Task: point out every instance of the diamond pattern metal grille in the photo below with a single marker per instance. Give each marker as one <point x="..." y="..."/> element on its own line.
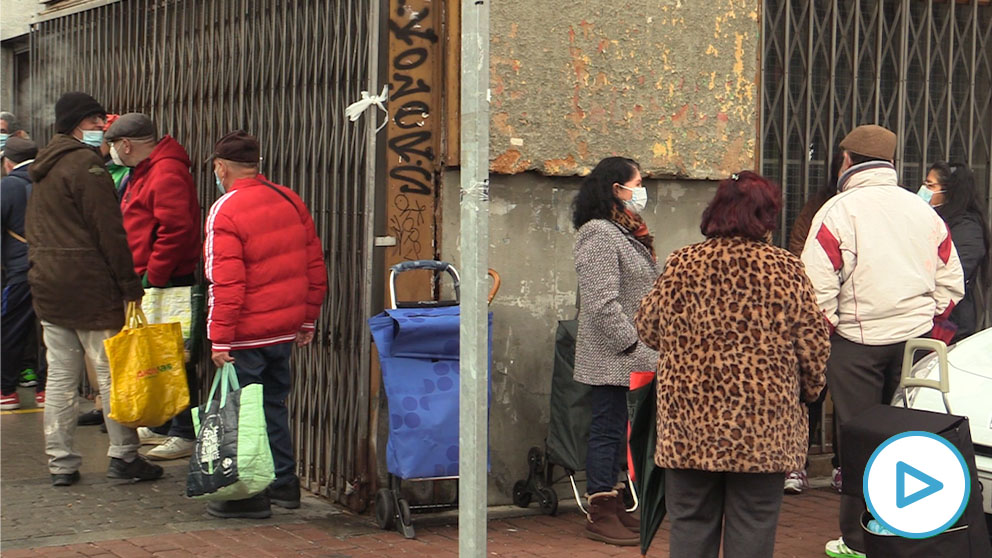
<point x="921" y="68"/>
<point x="283" y="70"/>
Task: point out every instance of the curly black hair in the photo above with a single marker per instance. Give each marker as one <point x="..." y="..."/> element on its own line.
<point x="596" y="199"/>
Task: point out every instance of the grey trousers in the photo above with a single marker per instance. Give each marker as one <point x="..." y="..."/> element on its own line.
<point x="739" y="508"/>
<point x="66" y="350"/>
<point x="858" y="377"/>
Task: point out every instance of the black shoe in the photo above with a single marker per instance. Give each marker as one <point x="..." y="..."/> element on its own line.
<point x="285" y="496"/>
<point x="103" y="428"/>
<point x="91" y="418"/>
<point x="256" y="507"/>
<point x="68" y="479"/>
<point x="137" y="470"/>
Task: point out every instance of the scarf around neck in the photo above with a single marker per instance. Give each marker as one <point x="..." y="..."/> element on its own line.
<point x="635" y="225"/>
<point x="872" y="173"/>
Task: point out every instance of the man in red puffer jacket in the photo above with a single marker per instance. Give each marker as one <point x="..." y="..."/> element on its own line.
<point x="267" y="279"/>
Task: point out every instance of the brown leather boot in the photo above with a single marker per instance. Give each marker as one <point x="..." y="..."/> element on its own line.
<point x="603" y="523"/>
<point x="632" y="521"/>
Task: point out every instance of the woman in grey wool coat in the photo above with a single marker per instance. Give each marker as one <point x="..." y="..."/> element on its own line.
<point x="616" y="266"/>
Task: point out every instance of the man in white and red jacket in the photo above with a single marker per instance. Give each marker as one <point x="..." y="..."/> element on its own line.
<point x="885" y="271"/>
<point x="267" y="280"/>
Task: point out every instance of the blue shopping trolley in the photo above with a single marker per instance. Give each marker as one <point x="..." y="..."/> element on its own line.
<point x="418" y="344"/>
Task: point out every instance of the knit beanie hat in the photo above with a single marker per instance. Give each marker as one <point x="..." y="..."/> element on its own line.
<point x="72" y="108"/>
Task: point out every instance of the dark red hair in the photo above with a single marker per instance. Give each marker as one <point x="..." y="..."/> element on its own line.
<point x="747" y="204"/>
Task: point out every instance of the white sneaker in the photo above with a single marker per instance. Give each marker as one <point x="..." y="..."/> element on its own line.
<point x="173" y="448"/>
<point x="150" y="438"/>
<point x="837" y="549"/>
<point x="795" y="482"/>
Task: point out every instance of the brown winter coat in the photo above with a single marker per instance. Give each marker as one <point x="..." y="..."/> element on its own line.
<point x="81" y="271"/>
<point x="742" y="344"/>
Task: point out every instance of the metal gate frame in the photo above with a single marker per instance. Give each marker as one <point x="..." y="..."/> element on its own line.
<point x="284" y="71"/>
<point x="922" y="68"/>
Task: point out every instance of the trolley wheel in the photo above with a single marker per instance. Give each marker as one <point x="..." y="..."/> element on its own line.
<point x="549" y="501"/>
<point x="521" y="496"/>
<point x="535" y="458"/>
<point x="405" y="517"/>
<point x="385" y="510"/>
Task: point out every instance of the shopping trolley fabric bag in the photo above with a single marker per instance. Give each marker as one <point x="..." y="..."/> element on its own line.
<point x="147" y="371"/>
<point x="418" y="351"/>
<point x="232" y="459"/>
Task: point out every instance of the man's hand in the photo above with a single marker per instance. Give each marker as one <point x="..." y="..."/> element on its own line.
<point x="304" y="338"/>
<point x="221" y="357"/>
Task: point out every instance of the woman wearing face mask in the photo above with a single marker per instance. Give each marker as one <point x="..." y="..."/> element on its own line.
<point x="950" y="188"/>
<point x="616" y="266"/>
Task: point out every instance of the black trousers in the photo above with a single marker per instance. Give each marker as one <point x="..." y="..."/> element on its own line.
<point x="859" y="376"/>
<point x="704" y="507"/>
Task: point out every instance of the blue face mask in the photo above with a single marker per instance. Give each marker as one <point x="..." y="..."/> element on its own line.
<point x="93" y="138"/>
<point x="927" y="193"/>
<point x="220" y="187"/>
<point x="3" y="141"/>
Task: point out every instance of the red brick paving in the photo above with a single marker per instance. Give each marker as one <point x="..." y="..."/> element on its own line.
<point x="806" y="522"/>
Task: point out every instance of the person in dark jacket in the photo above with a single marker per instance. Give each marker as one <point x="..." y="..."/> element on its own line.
<point x="798" y="480"/>
<point x="18" y="314"/>
<point x="81" y="276"/>
<point x="162" y="219"/>
<point x="950" y="188"/>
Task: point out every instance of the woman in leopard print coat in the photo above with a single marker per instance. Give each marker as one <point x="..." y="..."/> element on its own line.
<point x="742" y="345"/>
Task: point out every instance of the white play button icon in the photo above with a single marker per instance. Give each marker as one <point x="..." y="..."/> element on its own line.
<point x="916" y="484"/>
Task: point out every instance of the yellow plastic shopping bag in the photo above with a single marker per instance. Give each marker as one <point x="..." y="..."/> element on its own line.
<point x="147" y="374"/>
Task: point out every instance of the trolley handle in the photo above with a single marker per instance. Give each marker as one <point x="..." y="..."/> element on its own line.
<point x="941" y="384"/>
<point x="432" y="265"/>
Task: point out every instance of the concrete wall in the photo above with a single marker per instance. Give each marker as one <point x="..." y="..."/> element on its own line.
<point x="531" y="242"/>
<point x="671" y="83"/>
<point x="17" y="17"/>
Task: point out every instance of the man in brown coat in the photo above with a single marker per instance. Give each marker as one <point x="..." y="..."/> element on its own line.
<point x="81" y="276"/>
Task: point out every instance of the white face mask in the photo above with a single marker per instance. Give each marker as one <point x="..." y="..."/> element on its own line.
<point x="638" y="201"/>
<point x="116" y="157"/>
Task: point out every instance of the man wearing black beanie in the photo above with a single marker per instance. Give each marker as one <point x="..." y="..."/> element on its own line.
<point x="81" y="275"/>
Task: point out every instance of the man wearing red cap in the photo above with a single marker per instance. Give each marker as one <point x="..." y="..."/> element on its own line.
<point x="267" y="280"/>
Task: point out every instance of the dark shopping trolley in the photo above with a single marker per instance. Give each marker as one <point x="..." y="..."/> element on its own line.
<point x="418" y="344"/>
<point x="568" y="434"/>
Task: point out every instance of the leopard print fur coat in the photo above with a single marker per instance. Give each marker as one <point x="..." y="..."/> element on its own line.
<point x="742" y="344"/>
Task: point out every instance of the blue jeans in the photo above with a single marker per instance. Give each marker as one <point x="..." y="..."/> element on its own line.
<point x="18" y="329"/>
<point x="607" y="438"/>
<point x="269" y="366"/>
<point x="181" y="425"/>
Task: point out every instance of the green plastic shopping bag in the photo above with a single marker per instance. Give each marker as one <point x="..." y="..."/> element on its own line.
<point x="231" y="459"/>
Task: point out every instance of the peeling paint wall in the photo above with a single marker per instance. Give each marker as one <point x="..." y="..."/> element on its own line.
<point x="531" y="240"/>
<point x="671" y="83"/>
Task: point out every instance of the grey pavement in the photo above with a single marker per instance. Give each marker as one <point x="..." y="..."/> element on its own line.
<point x="34" y="513"/>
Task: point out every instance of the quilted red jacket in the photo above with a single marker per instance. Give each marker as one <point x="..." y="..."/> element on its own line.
<point x="265" y="266"/>
<point x="162" y="215"/>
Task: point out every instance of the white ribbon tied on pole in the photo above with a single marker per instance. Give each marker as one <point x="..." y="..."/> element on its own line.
<point x="354" y="110"/>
